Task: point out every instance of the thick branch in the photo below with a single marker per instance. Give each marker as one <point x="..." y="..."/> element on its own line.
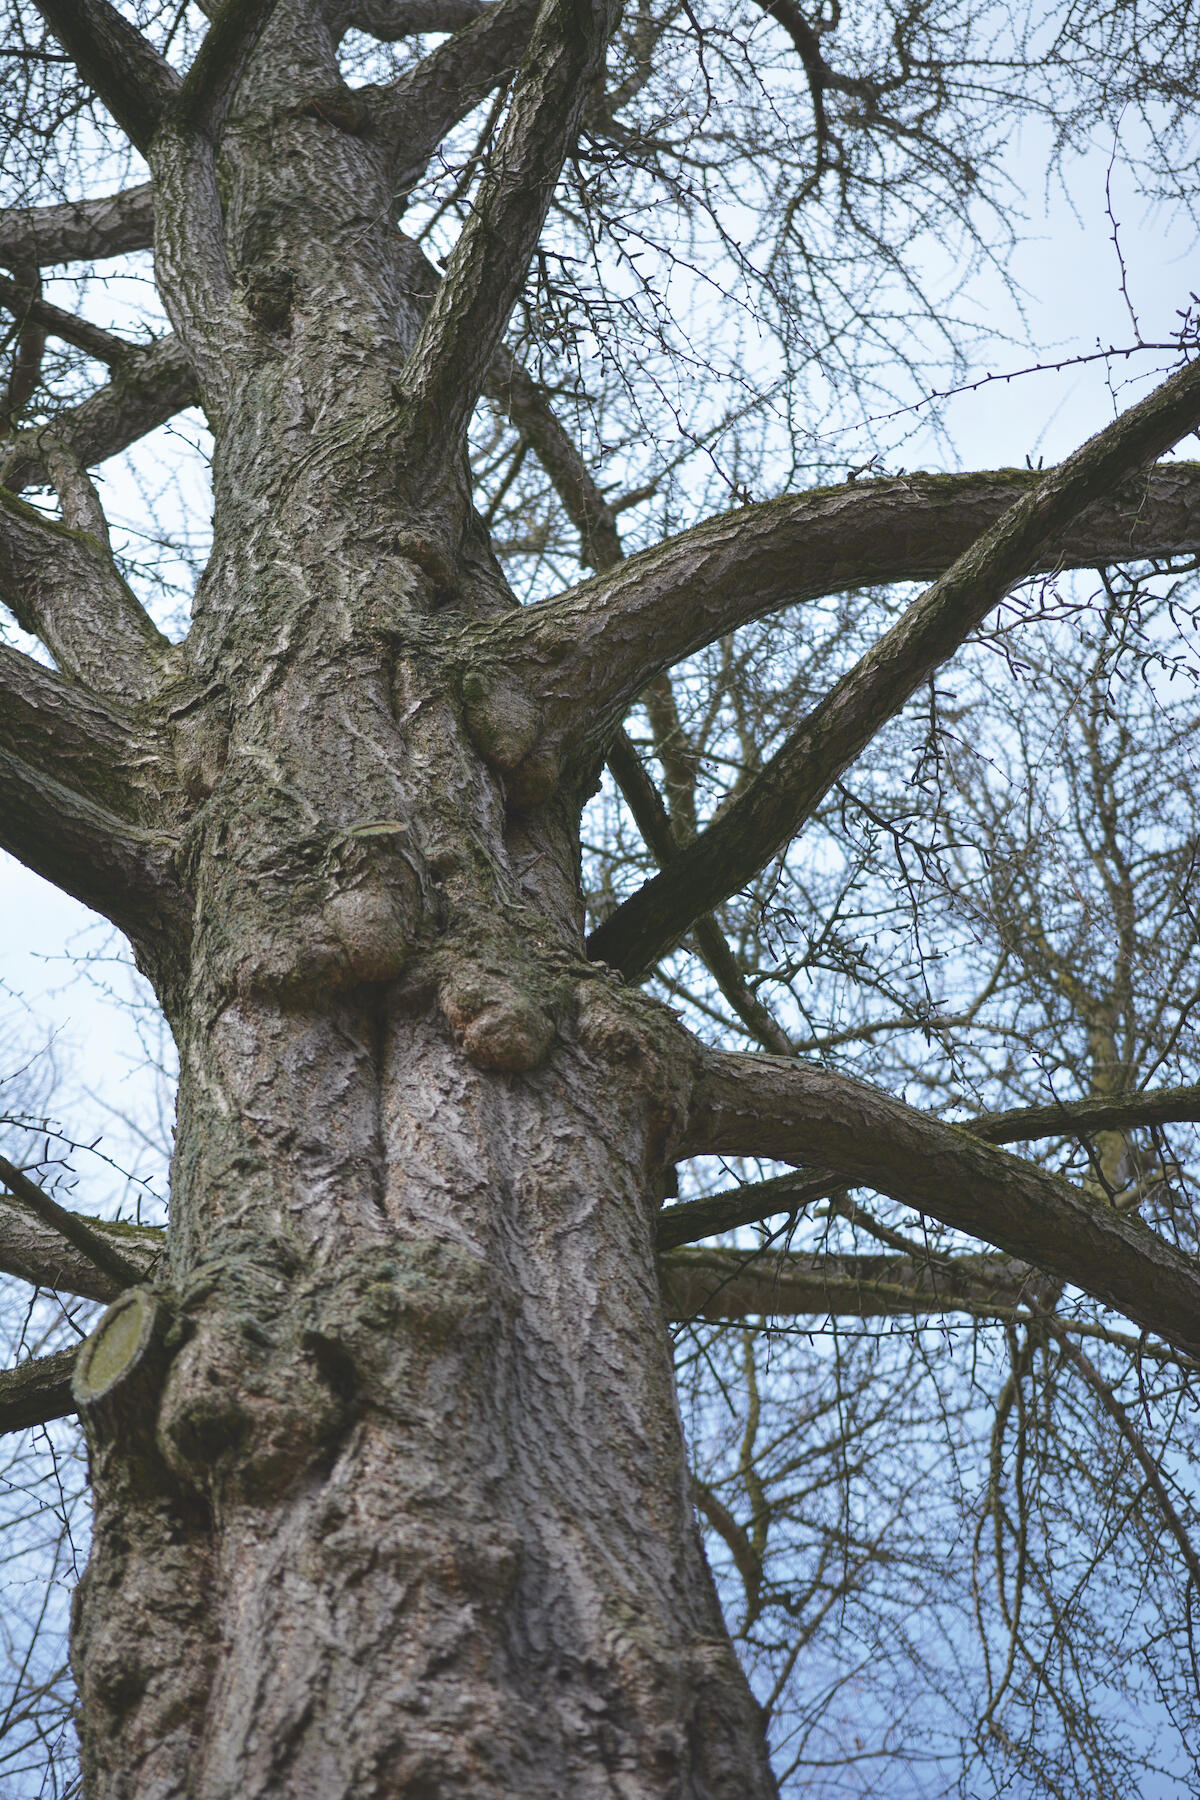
<point x="127" y="73"/>
<point x="486" y="270"/>
<point x="63" y="586"/>
<point x="79" y="230"/>
<point x="416" y="112"/>
<point x="98" y="343"/>
<point x="209" y="85"/>
<point x="391" y="20"/>
<point x="67" y="732"/>
<point x="731" y="1284"/>
<point x="782" y="796"/>
<point x="80" y="1234"/>
<point x="37" y="1252"/>
<point x="149" y="388"/>
<point x="692" y="1220"/>
<point x="763" y="1106"/>
<point x="35" y="1392"/>
<point x="590" y="652"/>
<point x="106" y="863"/>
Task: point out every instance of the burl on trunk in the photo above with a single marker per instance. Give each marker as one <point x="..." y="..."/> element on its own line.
<point x="390" y="1490"/>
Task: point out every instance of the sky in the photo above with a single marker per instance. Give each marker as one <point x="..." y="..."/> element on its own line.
<point x="1069" y="277"/>
<point x="57" y="970"/>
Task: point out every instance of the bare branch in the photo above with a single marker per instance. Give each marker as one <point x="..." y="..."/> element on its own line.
<point x="446" y="371"/>
<point x="23" y="301"/>
<point x="746" y="1559"/>
<point x="119" y="870"/>
<point x="782" y="796"/>
<point x="62" y="585"/>
<point x="748" y="1205"/>
<point x="763" y="1106"/>
<point x="148" y="388"/>
<point x="692" y="1220"/>
<point x="36" y="1252"/>
<point x="521" y="399"/>
<point x="730" y="1284"/>
<point x="35" y="1392"/>
<point x="209" y="85"/>
<point x="417" y="111"/>
<point x="130" y="77"/>
<point x="78" y="1233"/>
<point x="92" y="338"/>
<point x="653" y="821"/>
<point x="71" y="734"/>
<point x="1080" y="1118"/>
<point x="608" y="637"/>
<point x="79" y="230"/>
<point x="391" y="20"/>
<point x="191" y="265"/>
<point x="1149" y="1464"/>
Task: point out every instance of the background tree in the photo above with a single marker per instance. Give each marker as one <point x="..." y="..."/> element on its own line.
<point x="388" y="1478"/>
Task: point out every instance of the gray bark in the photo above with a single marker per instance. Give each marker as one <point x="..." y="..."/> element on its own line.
<point x="390" y="1490"/>
<point x="393" y="1499"/>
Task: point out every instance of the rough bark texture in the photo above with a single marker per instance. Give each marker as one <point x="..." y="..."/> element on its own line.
<point x="390" y="1490"/>
<point x="395" y="1501"/>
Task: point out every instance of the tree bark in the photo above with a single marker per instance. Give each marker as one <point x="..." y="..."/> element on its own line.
<point x="419" y="1448"/>
<point x="389" y="1478"/>
<point x="392" y="1501"/>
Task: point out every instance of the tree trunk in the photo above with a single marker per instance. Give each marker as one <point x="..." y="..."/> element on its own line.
<point x="415" y="1518"/>
<point x="396" y="1502"/>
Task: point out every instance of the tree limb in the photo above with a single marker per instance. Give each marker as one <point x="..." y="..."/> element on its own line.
<point x="115" y="60"/>
<point x="209" y="85"/>
<point x="62" y="586"/>
<point x="148" y="388"/>
<point x="763" y="1106"/>
<point x="522" y="401"/>
<point x="79" y="1233"/>
<point x="415" y="113"/>
<point x="37" y="1252"/>
<point x="79" y="230"/>
<point x="391" y="20"/>
<point x="35" y="1392"/>
<point x="783" y="795"/>
<point x="69" y="733"/>
<point x="1126" y="1111"/>
<point x="115" y="868"/>
<point x="446" y="371"/>
<point x="691" y="1220"/>
<point x="717" y="1283"/>
<point x="730" y="1286"/>
<point x="654" y="822"/>
<point x="177" y="131"/>
<point x="605" y="639"/>
<point x="98" y="343"/>
<point x="24" y="298"/>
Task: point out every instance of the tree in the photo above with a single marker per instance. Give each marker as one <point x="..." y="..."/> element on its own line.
<point x="388" y="1476"/>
